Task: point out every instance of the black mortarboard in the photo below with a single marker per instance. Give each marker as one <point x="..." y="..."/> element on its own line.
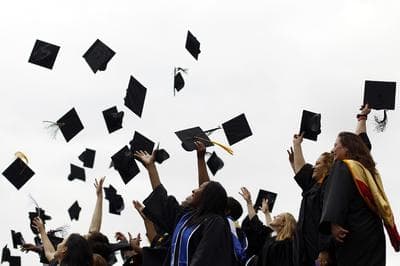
<point x="380" y="95"/>
<point x="113" y="119"/>
<point x="237" y="129"/>
<point x="44" y="54"/>
<point x="74" y="211"/>
<point x="161" y="155"/>
<point x="70" y="124"/>
<point x="179" y="82"/>
<point x="310" y="125"/>
<point x="98" y="56"/>
<point x="77" y="173"/>
<point x="87" y="157"/>
<point x="125" y="164"/>
<point x="192" y="45"/>
<point x="141" y="143"/>
<point x="39" y="212"/>
<point x="214" y="163"/>
<point x="116" y="203"/>
<point x="18" y="173"/>
<point x="190" y="135"/>
<point x="264" y="194"/>
<point x="17" y="239"/>
<point x="135" y="96"/>
<point x="110" y="191"/>
<point x="15" y="261"/>
<point x="5" y="254"/>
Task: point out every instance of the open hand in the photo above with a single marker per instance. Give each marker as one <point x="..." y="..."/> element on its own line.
<point x="246" y="195"/>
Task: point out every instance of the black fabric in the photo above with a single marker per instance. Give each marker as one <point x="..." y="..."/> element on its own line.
<point x="270" y="252"/>
<point x="365" y="139"/>
<point x="210" y="244"/>
<point x="308" y="241"/>
<point x="343" y="205"/>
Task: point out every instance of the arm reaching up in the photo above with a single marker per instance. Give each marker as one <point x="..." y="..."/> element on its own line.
<point x="247" y="197"/>
<point x="201" y="162"/>
<point x="95" y="224"/>
<point x="298" y="157"/>
<point x="148" y="162"/>
<point x="151" y="232"/>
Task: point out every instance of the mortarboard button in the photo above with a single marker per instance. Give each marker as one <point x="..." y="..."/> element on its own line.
<point x="264" y="194"/>
<point x="87" y="157"/>
<point x="18" y="173"/>
<point x="98" y="56"/>
<point x="17" y="239"/>
<point x="190" y="135"/>
<point x="74" y="211"/>
<point x="77" y="173"/>
<point x="310" y="125"/>
<point x="380" y="95"/>
<point x="237" y="129"/>
<point x="141" y="143"/>
<point x="125" y="164"/>
<point x="192" y="45"/>
<point x="135" y="96"/>
<point x="113" y="119"/>
<point x="44" y="54"/>
<point x="70" y="124"/>
<point x="214" y="163"/>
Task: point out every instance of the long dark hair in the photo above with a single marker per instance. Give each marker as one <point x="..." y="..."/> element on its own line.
<point x="78" y="252"/>
<point x="357" y="150"/>
<point x="100" y="244"/>
<point x="212" y="202"/>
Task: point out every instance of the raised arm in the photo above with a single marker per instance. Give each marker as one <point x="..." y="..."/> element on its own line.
<point x="247" y="197"/>
<point x="362" y="120"/>
<point x="149" y="162"/>
<point x="49" y="250"/>
<point x="151" y="232"/>
<point x="298" y="157"/>
<point x="265" y="210"/>
<point x="291" y="158"/>
<point x="95" y="224"/>
<point x="201" y="163"/>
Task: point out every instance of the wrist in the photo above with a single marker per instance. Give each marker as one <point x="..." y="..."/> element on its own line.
<point x="361" y="117"/>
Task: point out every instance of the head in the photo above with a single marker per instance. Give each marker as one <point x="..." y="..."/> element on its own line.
<point x="284" y="225"/>
<point x="74" y="251"/>
<point x="99" y="244"/>
<point x="233" y="208"/>
<point x="323" y="165"/>
<point x="350" y="146"/>
<point x="99" y="260"/>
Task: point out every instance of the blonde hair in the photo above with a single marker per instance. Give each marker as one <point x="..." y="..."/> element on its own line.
<point x="288" y="228"/>
<point x="327" y="163"/>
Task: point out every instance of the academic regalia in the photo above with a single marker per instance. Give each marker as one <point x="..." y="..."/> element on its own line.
<point x="270" y="252"/>
<point x="308" y="241"/>
<point x="343" y="205"/>
<point x="209" y="243"/>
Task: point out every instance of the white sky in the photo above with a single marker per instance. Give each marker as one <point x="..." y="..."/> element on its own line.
<point x="267" y="59"/>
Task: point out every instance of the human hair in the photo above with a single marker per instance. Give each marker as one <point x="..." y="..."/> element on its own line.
<point x="78" y="252"/>
<point x="357" y="150"/>
<point x="288" y="228"/>
<point x="233" y="208"/>
<point x="212" y="202"/>
<point x="100" y="244"/>
<point x="98" y="260"/>
<point x="326" y="165"/>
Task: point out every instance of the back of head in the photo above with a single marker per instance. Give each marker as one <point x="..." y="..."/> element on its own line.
<point x="357" y="150"/>
<point x="289" y="227"/>
<point x="233" y="208"/>
<point x="78" y="252"/>
<point x="100" y="244"/>
<point x="98" y="260"/>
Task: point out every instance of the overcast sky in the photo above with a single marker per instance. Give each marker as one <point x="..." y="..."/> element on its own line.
<point x="268" y="59"/>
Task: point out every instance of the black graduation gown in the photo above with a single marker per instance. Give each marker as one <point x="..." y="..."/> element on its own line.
<point x="210" y="244"/>
<point x="308" y="241"/>
<point x="343" y="205"/>
<point x="270" y="252"/>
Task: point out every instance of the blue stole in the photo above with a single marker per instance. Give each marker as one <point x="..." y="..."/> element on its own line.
<point x="239" y="248"/>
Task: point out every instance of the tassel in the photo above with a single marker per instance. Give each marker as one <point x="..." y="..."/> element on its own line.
<point x="226" y="148"/>
<point x="380" y="125"/>
<point x="53" y="127"/>
<point x="22" y="157"/>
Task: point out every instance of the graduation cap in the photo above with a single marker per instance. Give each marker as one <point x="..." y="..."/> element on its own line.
<point x="124" y="162"/>
<point x="15" y="261"/>
<point x="141" y="143"/>
<point x="237" y="129"/>
<point x="190" y="135"/>
<point x="69" y="124"/>
<point x="77" y="173"/>
<point x="380" y="95"/>
<point x="192" y="45"/>
<point x="109" y="191"/>
<point x="44" y="54"/>
<point x="5" y="254"/>
<point x="98" y="56"/>
<point x="214" y="163"/>
<point x="179" y="82"/>
<point x="116" y="202"/>
<point x="39" y="212"/>
<point x="113" y="119"/>
<point x="87" y="157"/>
<point x="17" y="239"/>
<point x="135" y="96"/>
<point x="310" y="125"/>
<point x="161" y="154"/>
<point x="264" y="194"/>
<point x="74" y="211"/>
<point x="18" y="173"/>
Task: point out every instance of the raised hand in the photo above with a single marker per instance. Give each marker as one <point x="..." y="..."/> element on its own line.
<point x="135" y="242"/>
<point x="99" y="186"/>
<point x="30" y="247"/>
<point x="365" y="110"/>
<point x="139" y="207"/>
<point x="298" y="138"/>
<point x="291" y="155"/>
<point x="38" y="224"/>
<point x="145" y="158"/>
<point x="246" y="195"/>
<point x="200" y="148"/>
<point x="264" y="206"/>
<point x="120" y="236"/>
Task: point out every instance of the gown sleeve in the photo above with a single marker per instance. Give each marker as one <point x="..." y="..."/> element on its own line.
<point x="304" y="177"/>
<point x="256" y="234"/>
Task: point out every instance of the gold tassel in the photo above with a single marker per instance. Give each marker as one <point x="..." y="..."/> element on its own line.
<point x="22" y="156"/>
<point x="226" y="148"/>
